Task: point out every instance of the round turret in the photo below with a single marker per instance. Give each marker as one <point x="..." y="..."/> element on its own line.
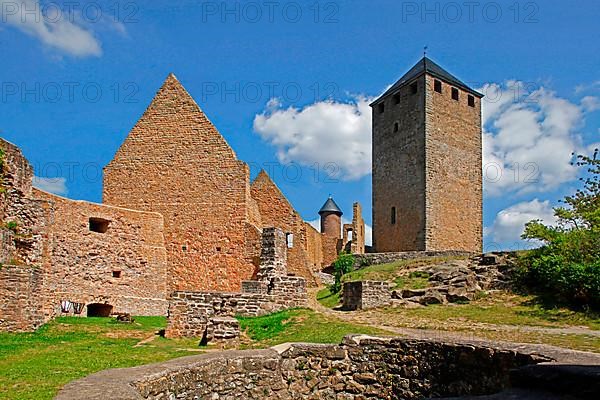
<point x="331" y="219"/>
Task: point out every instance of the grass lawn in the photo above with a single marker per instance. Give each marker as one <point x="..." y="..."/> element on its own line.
<point x="299" y="325"/>
<point x="328" y="299"/>
<point x="36" y="365"/>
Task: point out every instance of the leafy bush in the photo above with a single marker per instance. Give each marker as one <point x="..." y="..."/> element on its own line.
<point x="567" y="267"/>
<point x="341" y="266"/>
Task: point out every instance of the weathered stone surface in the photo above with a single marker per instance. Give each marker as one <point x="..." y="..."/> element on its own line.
<point x="363" y="295"/>
<point x="361" y="367"/>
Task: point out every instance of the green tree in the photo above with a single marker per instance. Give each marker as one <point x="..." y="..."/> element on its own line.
<point x="568" y="265"/>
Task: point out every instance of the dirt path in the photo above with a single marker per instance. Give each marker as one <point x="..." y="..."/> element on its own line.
<point x="378" y="320"/>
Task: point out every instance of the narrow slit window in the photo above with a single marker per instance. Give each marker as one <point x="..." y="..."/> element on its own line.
<point x="99" y="225"/>
<point x="471" y="100"/>
<point x="396" y="128"/>
<point x="455" y="94"/>
<point x="393" y="220"/>
<point x="290" y="240"/>
<point x="437" y="86"/>
<point x="381" y="108"/>
<point x="414" y="88"/>
<point x="397" y="98"/>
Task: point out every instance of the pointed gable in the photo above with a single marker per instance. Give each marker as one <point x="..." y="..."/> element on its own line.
<point x="173" y="126"/>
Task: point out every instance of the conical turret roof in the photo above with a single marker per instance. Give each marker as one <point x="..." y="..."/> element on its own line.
<point x="330" y="207"/>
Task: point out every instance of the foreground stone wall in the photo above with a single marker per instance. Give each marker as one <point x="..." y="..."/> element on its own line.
<point x="361" y="367"/>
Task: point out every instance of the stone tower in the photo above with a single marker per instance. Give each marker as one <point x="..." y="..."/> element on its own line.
<point x="331" y="219"/>
<point x="427" y="179"/>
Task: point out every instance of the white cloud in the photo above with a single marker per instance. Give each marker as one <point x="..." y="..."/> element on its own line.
<point x="590" y="103"/>
<point x="58" y="30"/>
<point x="316" y="223"/>
<point x="52" y="185"/>
<point x="509" y="223"/>
<point x="529" y="138"/>
<point x="324" y="132"/>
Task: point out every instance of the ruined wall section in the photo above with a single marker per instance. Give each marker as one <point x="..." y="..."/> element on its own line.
<point x="125" y="266"/>
<point x="23" y="219"/>
<point x="21" y="305"/>
<point x="453" y="170"/>
<point x="276" y="211"/>
<point x="176" y="163"/>
<point x="399" y="170"/>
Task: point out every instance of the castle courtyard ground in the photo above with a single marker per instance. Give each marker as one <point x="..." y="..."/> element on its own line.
<point x="36" y="365"/>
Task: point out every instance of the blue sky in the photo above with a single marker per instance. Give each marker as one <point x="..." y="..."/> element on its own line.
<point x="287" y="83"/>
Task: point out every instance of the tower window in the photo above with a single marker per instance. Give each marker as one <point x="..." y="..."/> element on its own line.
<point x="396" y="127"/>
<point x="381" y="107"/>
<point x="393" y="216"/>
<point x="471" y="101"/>
<point x="397" y="98"/>
<point x="437" y="86"/>
<point x="116" y="274"/>
<point x="455" y="94"/>
<point x="99" y="225"/>
<point x="289" y="238"/>
<point x="414" y="88"/>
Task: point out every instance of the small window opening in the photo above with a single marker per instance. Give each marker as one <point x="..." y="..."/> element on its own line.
<point x="437" y="86"/>
<point x="99" y="225"/>
<point x="381" y="107"/>
<point x="414" y="88"/>
<point x="184" y="247"/>
<point x="455" y="94"/>
<point x="397" y="98"/>
<point x="116" y="274"/>
<point x="350" y="234"/>
<point x="218" y="249"/>
<point x="289" y="238"/>
<point x="471" y="101"/>
<point x="396" y="128"/>
<point x="393" y="215"/>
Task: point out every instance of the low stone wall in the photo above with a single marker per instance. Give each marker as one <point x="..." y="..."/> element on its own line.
<point x="190" y="312"/>
<point x="363" y="260"/>
<point x="20" y="291"/>
<point x="361" y="367"/>
<point x="365" y="294"/>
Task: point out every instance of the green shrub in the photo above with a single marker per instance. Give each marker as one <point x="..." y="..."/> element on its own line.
<point x="12" y="226"/>
<point x="341" y="266"/>
<point x="567" y="267"/>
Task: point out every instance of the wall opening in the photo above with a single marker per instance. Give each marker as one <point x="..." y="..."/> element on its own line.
<point x="471" y="101"/>
<point x="381" y="107"/>
<point x="99" y="225"/>
<point x="99" y="310"/>
<point x="116" y="274"/>
<point x="437" y="86"/>
<point x="289" y="238"/>
<point x="396" y="128"/>
<point x="455" y="94"/>
<point x="393" y="216"/>
<point x="397" y="98"/>
<point x="414" y="88"/>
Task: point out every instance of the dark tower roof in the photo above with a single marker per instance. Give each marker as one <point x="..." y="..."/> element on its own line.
<point x="330" y="207"/>
<point x="426" y="66"/>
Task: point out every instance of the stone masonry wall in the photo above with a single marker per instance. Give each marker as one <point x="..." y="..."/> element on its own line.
<point x="453" y="143"/>
<point x="276" y="210"/>
<point x="399" y="171"/>
<point x="124" y="267"/>
<point x="366" y="294"/>
<point x="176" y="163"/>
<point x="361" y="367"/>
<point x="22" y="298"/>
